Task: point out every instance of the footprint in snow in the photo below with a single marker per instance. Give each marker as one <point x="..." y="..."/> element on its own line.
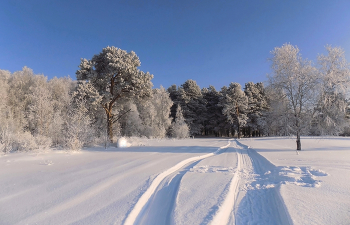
<point x="301" y="176"/>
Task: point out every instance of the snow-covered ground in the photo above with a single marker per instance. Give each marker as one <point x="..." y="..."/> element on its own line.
<point x="192" y="181"/>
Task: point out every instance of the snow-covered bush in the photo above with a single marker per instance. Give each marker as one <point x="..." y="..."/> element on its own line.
<point x="43" y="142"/>
<point x="74" y="144"/>
<point x="24" y="142"/>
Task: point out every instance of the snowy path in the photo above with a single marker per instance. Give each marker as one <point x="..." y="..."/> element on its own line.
<point x="258" y="195"/>
<point x="242" y="191"/>
<point x="139" y="210"/>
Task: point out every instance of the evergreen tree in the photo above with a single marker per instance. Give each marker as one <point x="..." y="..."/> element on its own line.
<point x="214" y="116"/>
<point x="114" y="74"/>
<point x="193" y="106"/>
<point x="235" y="104"/>
<point x="257" y="107"/>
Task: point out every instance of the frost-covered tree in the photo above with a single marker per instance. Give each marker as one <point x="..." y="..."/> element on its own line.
<point x="330" y="113"/>
<point x="257" y="107"/>
<point x="40" y="111"/>
<point x="19" y="93"/>
<point x="114" y="74"/>
<point x="78" y="126"/>
<point x="193" y="106"/>
<point x="235" y="103"/>
<point x="132" y="125"/>
<point x="278" y="117"/>
<point x="296" y="79"/>
<point x="6" y="124"/>
<point x="61" y="90"/>
<point x="179" y="128"/>
<point x="161" y="105"/>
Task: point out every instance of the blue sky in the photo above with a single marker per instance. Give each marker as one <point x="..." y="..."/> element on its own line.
<point x="212" y="42"/>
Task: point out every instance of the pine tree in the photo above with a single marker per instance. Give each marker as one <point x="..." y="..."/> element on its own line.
<point x="193" y="106"/>
<point x="114" y="74"/>
<point x="214" y="116"/>
<point x="235" y="104"/>
<point x="257" y="107"/>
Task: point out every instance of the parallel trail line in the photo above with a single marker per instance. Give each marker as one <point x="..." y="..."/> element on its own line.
<point x="140" y="205"/>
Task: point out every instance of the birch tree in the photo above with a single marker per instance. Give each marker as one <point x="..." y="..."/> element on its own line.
<point x="334" y="72"/>
<point x="296" y="79"/>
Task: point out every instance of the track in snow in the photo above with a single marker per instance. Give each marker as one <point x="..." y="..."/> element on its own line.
<point x="139" y="214"/>
<point x="259" y="196"/>
<point x="252" y="196"/>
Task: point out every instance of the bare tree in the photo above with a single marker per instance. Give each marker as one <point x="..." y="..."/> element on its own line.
<point x="297" y="79"/>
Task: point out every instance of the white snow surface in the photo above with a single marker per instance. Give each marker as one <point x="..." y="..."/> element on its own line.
<point x="189" y="181"/>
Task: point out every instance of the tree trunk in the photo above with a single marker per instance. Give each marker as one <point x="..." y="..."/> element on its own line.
<point x="110" y="127"/>
<point x="238" y="131"/>
<point x="298" y="142"/>
<point x="298" y="132"/>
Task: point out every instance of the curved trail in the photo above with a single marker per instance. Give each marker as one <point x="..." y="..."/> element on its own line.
<point x="138" y="210"/>
<point x="250" y="197"/>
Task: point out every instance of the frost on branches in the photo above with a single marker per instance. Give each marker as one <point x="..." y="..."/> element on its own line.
<point x="330" y="114"/>
<point x="179" y="128"/>
<point x="296" y="79"/>
<point x="114" y="74"/>
<point x="235" y="103"/>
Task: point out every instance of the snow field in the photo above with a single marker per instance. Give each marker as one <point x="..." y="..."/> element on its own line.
<point x="314" y="185"/>
<point x="95" y="186"/>
<point x="190" y="181"/>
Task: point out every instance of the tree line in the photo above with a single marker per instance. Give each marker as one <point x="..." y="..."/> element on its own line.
<point x="112" y="97"/>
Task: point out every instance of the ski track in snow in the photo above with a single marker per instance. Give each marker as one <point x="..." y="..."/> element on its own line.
<point x="251" y="196"/>
<point x="135" y="216"/>
<point x="249" y="199"/>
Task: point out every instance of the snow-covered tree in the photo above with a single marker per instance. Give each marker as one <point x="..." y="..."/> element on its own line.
<point x="235" y="103"/>
<point x="193" y="106"/>
<point x="6" y="124"/>
<point x="296" y="79"/>
<point x="179" y="128"/>
<point x="78" y="126"/>
<point x="61" y="93"/>
<point x="40" y="111"/>
<point x="19" y="93"/>
<point x="257" y="106"/>
<point x="114" y="74"/>
<point x="132" y="125"/>
<point x="330" y="113"/>
<point x="278" y="117"/>
<point x="161" y="105"/>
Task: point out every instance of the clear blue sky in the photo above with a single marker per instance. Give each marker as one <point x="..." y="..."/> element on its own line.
<point x="212" y="42"/>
